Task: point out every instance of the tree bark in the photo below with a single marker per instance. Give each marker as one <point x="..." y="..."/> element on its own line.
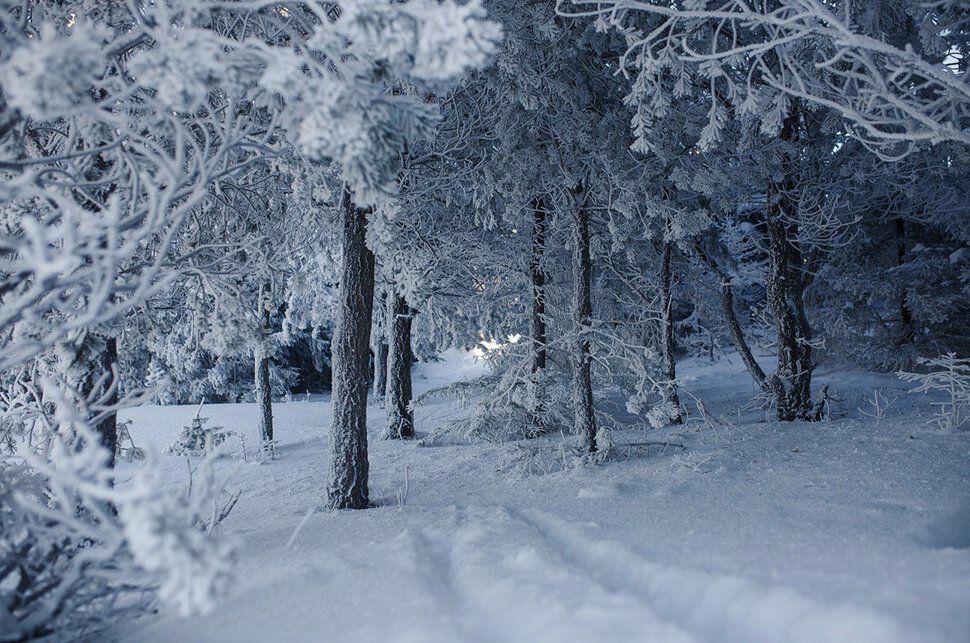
<point x="585" y="421"/>
<point x="667" y="321"/>
<point x="381" y="349"/>
<point x="785" y="285"/>
<point x="537" y="320"/>
<point x="381" y="355"/>
<point x="400" y="419"/>
<point x="907" y="331"/>
<point x="731" y="319"/>
<point x="348" y="433"/>
<point x="99" y="385"/>
<point x="264" y="390"/>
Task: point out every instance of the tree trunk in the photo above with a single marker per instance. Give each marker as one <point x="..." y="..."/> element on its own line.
<point x="381" y="348"/>
<point x="585" y="421"/>
<point x="537" y="321"/>
<point x="264" y="390"/>
<point x="348" y="432"/>
<point x="381" y="355"/>
<point x="400" y="419"/>
<point x="667" y="321"/>
<point x="907" y="331"/>
<point x="99" y="385"/>
<point x="731" y="319"/>
<point x="785" y="285"/>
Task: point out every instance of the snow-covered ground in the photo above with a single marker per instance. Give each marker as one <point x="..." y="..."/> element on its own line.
<point x="849" y="530"/>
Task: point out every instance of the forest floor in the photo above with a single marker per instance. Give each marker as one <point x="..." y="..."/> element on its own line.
<point x="854" y="529"/>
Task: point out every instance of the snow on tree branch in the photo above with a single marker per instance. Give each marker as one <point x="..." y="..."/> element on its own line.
<point x="895" y="72"/>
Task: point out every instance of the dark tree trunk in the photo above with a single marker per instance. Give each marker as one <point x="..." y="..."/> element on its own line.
<point x="537" y="321"/>
<point x="585" y="421"/>
<point x="99" y="385"/>
<point x="731" y="319"/>
<point x="907" y="331"/>
<point x="381" y="353"/>
<point x="400" y="419"/>
<point x="667" y="321"/>
<point x="264" y="390"/>
<point x="785" y="285"/>
<point x="351" y="381"/>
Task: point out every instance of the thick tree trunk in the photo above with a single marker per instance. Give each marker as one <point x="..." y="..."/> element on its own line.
<point x="348" y="432"/>
<point x="400" y="419"/>
<point x="585" y="421"/>
<point x="785" y="285"/>
<point x="264" y="390"/>
<point x="667" y="321"/>
<point x="537" y="320"/>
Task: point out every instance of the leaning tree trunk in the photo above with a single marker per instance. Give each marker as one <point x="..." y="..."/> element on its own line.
<point x="735" y="330"/>
<point x="400" y="419"/>
<point x="537" y="321"/>
<point x="585" y="421"/>
<point x="667" y="323"/>
<point x="264" y="390"/>
<point x="351" y="339"/>
<point x="785" y="286"/>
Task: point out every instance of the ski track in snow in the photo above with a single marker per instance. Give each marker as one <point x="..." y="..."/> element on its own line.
<point x="513" y="577"/>
<point x="475" y="557"/>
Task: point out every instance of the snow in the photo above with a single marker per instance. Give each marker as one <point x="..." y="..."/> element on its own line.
<point x="851" y="530"/>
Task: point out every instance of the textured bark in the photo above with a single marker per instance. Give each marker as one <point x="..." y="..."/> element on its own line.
<point x="99" y="384"/>
<point x="381" y="352"/>
<point x="585" y="421"/>
<point x="785" y="285"/>
<point x="537" y="320"/>
<point x="400" y="420"/>
<point x="264" y="391"/>
<point x="351" y="381"/>
<point x="667" y="321"/>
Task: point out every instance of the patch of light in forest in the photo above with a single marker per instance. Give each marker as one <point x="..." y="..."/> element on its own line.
<point x="486" y="345"/>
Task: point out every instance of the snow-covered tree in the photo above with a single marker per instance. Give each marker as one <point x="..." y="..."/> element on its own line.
<point x="894" y="70"/>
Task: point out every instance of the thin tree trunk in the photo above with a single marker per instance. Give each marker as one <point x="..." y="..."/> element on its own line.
<point x="264" y="391"/>
<point x="99" y="385"/>
<point x="907" y="331"/>
<point x="735" y="330"/>
<point x="585" y="421"/>
<point x="667" y="321"/>
<point x="348" y="432"/>
<point x="785" y="285"/>
<point x="400" y="419"/>
<point x="381" y="353"/>
<point x="380" y="347"/>
<point x="537" y="321"/>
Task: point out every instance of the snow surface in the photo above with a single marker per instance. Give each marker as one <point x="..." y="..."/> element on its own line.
<point x="853" y="530"/>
